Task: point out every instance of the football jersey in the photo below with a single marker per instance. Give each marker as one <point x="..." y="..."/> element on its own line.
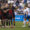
<point x="28" y="11"/>
<point x="0" y="12"/>
<point x="25" y="11"/>
<point x="10" y="11"/>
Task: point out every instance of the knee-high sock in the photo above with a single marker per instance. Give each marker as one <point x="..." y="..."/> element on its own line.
<point x="29" y="23"/>
<point x="14" y="21"/>
<point x="24" y="23"/>
<point x="11" y="21"/>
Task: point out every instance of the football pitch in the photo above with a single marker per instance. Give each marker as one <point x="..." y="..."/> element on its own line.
<point x="18" y="26"/>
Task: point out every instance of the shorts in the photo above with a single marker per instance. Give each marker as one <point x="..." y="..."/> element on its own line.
<point x="4" y="17"/>
<point x="0" y="17"/>
<point x="9" y="17"/>
<point x="13" y="15"/>
<point x="28" y="17"/>
<point x="25" y="16"/>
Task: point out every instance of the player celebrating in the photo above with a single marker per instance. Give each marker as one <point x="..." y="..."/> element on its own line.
<point x="28" y="12"/>
<point x="11" y="13"/>
<point x="4" y="17"/>
<point x="10" y="16"/>
<point x="25" y="15"/>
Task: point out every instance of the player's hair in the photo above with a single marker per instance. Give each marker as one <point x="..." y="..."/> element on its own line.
<point x="5" y="8"/>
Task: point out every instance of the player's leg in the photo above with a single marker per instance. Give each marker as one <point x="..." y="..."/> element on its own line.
<point x="3" y="22"/>
<point x="29" y="21"/>
<point x="11" y="20"/>
<point x="7" y="22"/>
<point x="14" y="19"/>
<point x="24" y="21"/>
<point x="0" y="22"/>
<point x="0" y="19"/>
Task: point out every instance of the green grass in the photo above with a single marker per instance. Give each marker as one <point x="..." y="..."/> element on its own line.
<point x="18" y="26"/>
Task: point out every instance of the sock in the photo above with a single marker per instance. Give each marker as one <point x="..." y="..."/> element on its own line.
<point x="24" y="23"/>
<point x="9" y="23"/>
<point x="0" y="21"/>
<point x="14" y="21"/>
<point x="29" y="23"/>
<point x="14" y="24"/>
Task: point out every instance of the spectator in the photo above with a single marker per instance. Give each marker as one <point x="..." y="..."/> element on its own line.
<point x="25" y="1"/>
<point x="17" y="3"/>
